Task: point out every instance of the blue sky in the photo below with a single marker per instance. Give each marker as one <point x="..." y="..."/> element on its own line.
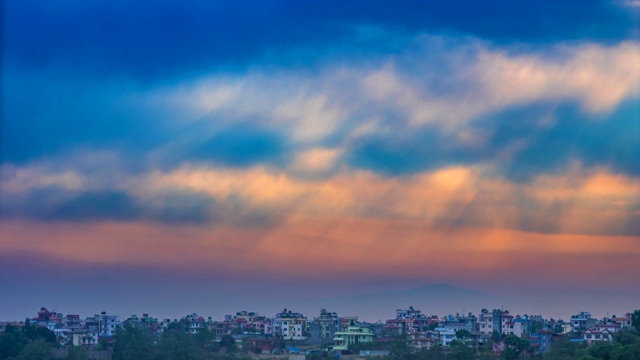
<point x="274" y="134"/>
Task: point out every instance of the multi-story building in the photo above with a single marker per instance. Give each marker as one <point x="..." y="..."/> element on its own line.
<point x="541" y="341"/>
<point x="497" y="319"/>
<point x="196" y="323"/>
<point x="323" y="328"/>
<point x="445" y="335"/>
<point x="582" y="321"/>
<point x="72" y="322"/>
<point x="352" y="335"/>
<point x="461" y="322"/>
<point x="485" y="323"/>
<point x="107" y="324"/>
<point x="624" y="321"/>
<point x="524" y="324"/>
<point x="88" y="335"/>
<point x="510" y="326"/>
<point x="248" y="321"/>
<point x="290" y="325"/>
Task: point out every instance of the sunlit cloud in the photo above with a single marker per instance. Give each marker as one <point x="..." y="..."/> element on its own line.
<point x="482" y="80"/>
<point x="401" y="142"/>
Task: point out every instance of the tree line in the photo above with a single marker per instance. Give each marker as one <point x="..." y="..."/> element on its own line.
<point x="177" y="343"/>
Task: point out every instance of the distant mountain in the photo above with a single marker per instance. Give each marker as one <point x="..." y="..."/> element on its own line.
<point x="435" y="299"/>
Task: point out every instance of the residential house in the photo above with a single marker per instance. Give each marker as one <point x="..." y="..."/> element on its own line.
<point x="290" y="325"/>
<point x="593" y="335"/>
<point x="352" y="335"/>
<point x="323" y="328"/>
<point x="582" y="321"/>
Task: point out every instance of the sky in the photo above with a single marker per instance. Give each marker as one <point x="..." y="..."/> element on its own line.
<point x="173" y="157"/>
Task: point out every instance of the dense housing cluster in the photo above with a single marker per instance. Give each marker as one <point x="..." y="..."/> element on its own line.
<point x="292" y="333"/>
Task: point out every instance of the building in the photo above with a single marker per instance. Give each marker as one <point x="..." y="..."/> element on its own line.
<point x="497" y="319"/>
<point x="352" y="335"/>
<point x="107" y="324"/>
<point x="582" y="321"/>
<point x="541" y="341"/>
<point x="323" y="328"/>
<point x="510" y="326"/>
<point x="290" y="326"/>
<point x="485" y="323"/>
<point x="594" y="335"/>
<point x="624" y="321"/>
<point x="445" y="335"/>
<point x="461" y="322"/>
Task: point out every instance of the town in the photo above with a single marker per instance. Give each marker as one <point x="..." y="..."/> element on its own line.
<point x="289" y="334"/>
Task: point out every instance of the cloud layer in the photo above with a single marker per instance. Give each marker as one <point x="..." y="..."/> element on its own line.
<point x="244" y="138"/>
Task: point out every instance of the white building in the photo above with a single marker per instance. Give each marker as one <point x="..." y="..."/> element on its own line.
<point x="107" y="324"/>
<point x="445" y="335"/>
<point x="582" y="321"/>
<point x="485" y="323"/>
<point x="593" y="335"/>
<point x="84" y="337"/>
<point x="290" y="325"/>
<point x="511" y="327"/>
<point x="196" y="323"/>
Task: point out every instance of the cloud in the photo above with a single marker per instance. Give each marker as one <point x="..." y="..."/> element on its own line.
<point x="51" y="204"/>
<point x="168" y="38"/>
<point x="441" y="101"/>
<point x="476" y="255"/>
<point x="580" y="200"/>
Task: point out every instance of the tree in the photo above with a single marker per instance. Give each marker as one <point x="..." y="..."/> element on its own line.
<point x="77" y="353"/>
<point x="463" y="335"/>
<point x="433" y="353"/>
<point x="459" y="350"/>
<point x="564" y="349"/>
<point x="495" y="336"/>
<point x="536" y="326"/>
<point x="635" y="320"/>
<point x="514" y="347"/>
<point x="37" y="350"/>
<point x="180" y="346"/>
<point x="205" y="338"/>
<point x="11" y="342"/>
<point x="132" y="343"/>
<point x="401" y="348"/>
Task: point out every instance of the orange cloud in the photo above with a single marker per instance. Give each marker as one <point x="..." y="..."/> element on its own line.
<point x="453" y="222"/>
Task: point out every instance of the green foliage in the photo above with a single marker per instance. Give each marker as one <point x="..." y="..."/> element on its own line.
<point x="374" y="345"/>
<point x="563" y="349"/>
<point x="37" y="350"/>
<point x="205" y="338"/>
<point x="11" y="342"/>
<point x="132" y="343"/>
<point x="401" y="348"/>
<point x="323" y="355"/>
<point x="635" y="320"/>
<point x="77" y="353"/>
<point x="14" y="339"/>
<point x="179" y="346"/>
<point x="536" y="326"/>
<point x="495" y="336"/>
<point x="228" y="342"/>
<point x="460" y="350"/>
<point x="625" y="346"/>
<point x="463" y="335"/>
<point x="434" y="353"/>
<point x="514" y="347"/>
